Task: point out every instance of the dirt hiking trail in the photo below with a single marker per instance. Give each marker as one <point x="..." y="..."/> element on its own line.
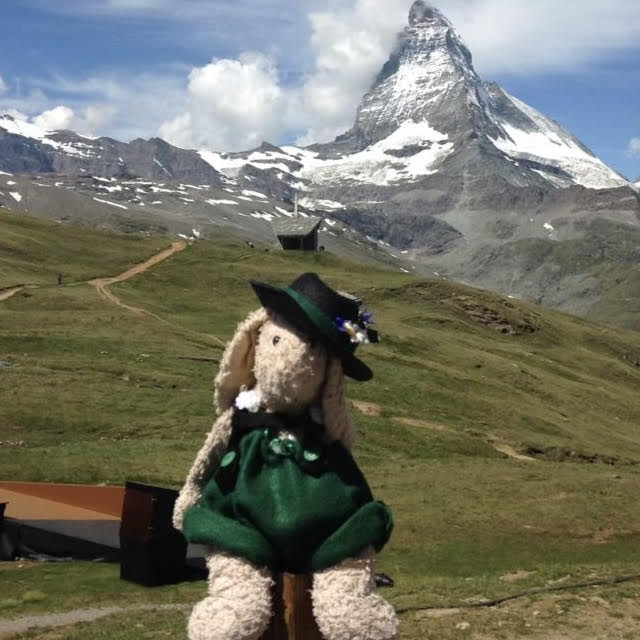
<point x="102" y="284"/>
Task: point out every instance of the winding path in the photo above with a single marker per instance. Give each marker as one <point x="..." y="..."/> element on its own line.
<point x="102" y="284"/>
<point x="102" y="288"/>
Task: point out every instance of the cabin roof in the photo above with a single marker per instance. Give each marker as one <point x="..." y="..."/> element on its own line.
<point x="296" y="227"/>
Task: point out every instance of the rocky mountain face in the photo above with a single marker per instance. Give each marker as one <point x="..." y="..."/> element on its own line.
<point x="191" y="211"/>
<point x="24" y="148"/>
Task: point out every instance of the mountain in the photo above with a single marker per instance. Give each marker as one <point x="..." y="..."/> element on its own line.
<point x="429" y="106"/>
<point x="442" y="172"/>
<point x="191" y="211"/>
<point x="25" y="148"/>
<point x="459" y="175"/>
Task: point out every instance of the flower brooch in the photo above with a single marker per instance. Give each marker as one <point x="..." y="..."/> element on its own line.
<point x="358" y="332"/>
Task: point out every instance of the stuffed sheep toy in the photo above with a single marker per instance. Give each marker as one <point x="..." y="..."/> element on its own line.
<point x="274" y="488"/>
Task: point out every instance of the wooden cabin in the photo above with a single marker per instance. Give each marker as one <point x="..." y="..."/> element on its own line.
<point x="299" y="234"/>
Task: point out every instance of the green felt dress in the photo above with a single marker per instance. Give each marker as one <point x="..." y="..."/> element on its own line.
<point x="294" y="505"/>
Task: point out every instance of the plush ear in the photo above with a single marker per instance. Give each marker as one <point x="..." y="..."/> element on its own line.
<point x="334" y="407"/>
<point x="236" y="368"/>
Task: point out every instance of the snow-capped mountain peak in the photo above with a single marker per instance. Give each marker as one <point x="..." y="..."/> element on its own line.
<point x="429" y="80"/>
<point x="429" y="62"/>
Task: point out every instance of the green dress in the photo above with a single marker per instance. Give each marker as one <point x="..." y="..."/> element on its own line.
<point x="286" y="504"/>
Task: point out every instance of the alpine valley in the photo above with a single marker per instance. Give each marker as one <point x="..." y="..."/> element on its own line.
<point x="442" y="173"/>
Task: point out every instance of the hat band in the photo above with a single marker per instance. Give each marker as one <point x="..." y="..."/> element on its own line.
<point x="320" y="319"/>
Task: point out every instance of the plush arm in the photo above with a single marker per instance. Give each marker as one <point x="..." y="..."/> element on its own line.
<point x="205" y="464"/>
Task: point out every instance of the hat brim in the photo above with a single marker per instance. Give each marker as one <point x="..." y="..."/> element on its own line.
<point x="283" y="304"/>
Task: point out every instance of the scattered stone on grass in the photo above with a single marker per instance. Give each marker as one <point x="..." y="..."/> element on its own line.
<point x="516" y="576"/>
<point x="367" y="408"/>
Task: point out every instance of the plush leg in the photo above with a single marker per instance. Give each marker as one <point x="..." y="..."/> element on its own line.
<point x="238" y="606"/>
<point x="345" y="605"/>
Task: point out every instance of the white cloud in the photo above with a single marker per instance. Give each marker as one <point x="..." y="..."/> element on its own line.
<point x="59" y="117"/>
<point x="536" y="36"/>
<point x="236" y="104"/>
<point x="232" y="104"/>
<point x="90" y="120"/>
<point x="349" y="45"/>
<point x="122" y="106"/>
<point x="633" y="149"/>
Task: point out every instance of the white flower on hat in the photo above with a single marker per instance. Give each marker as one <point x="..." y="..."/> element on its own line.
<point x="249" y="400"/>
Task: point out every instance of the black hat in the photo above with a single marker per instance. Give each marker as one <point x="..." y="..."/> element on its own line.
<point x="319" y="312"/>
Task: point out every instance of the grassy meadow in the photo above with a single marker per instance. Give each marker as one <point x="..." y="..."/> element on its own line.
<point x="505" y="436"/>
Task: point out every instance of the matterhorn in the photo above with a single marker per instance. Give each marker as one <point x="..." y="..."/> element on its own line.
<point x="461" y="176"/>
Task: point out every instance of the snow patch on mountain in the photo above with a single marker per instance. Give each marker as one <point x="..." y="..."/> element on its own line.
<point x="213" y="201"/>
<point x="257" y="194"/>
<point x="261" y="215"/>
<point x="28" y="130"/>
<point x="547" y="143"/>
<point x="22" y="128"/>
<point x="230" y="164"/>
<point x="113" y="204"/>
<point x="284" y="212"/>
<point x="386" y="162"/>
<point x="312" y="203"/>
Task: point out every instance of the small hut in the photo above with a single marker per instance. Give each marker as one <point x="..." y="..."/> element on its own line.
<point x="298" y="233"/>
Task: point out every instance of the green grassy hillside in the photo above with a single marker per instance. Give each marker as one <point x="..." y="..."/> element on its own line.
<point x="602" y="269"/>
<point x="33" y="251"/>
<point x="91" y="392"/>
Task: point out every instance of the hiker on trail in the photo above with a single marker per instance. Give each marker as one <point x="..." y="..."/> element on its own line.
<point x="59" y="278"/>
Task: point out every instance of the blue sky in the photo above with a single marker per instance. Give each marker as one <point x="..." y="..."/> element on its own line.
<point x="184" y="70"/>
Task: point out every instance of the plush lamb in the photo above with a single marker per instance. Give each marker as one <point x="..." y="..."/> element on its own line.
<point x="274" y="488"/>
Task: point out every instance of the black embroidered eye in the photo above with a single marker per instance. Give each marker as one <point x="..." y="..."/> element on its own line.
<point x="276" y="339"/>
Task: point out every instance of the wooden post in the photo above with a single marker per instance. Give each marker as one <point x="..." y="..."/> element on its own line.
<point x="292" y="611"/>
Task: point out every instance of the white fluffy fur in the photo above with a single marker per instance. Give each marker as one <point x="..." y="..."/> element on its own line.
<point x="345" y="605"/>
<point x="290" y="374"/>
<point x="288" y="369"/>
<point x="238" y="606"/>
